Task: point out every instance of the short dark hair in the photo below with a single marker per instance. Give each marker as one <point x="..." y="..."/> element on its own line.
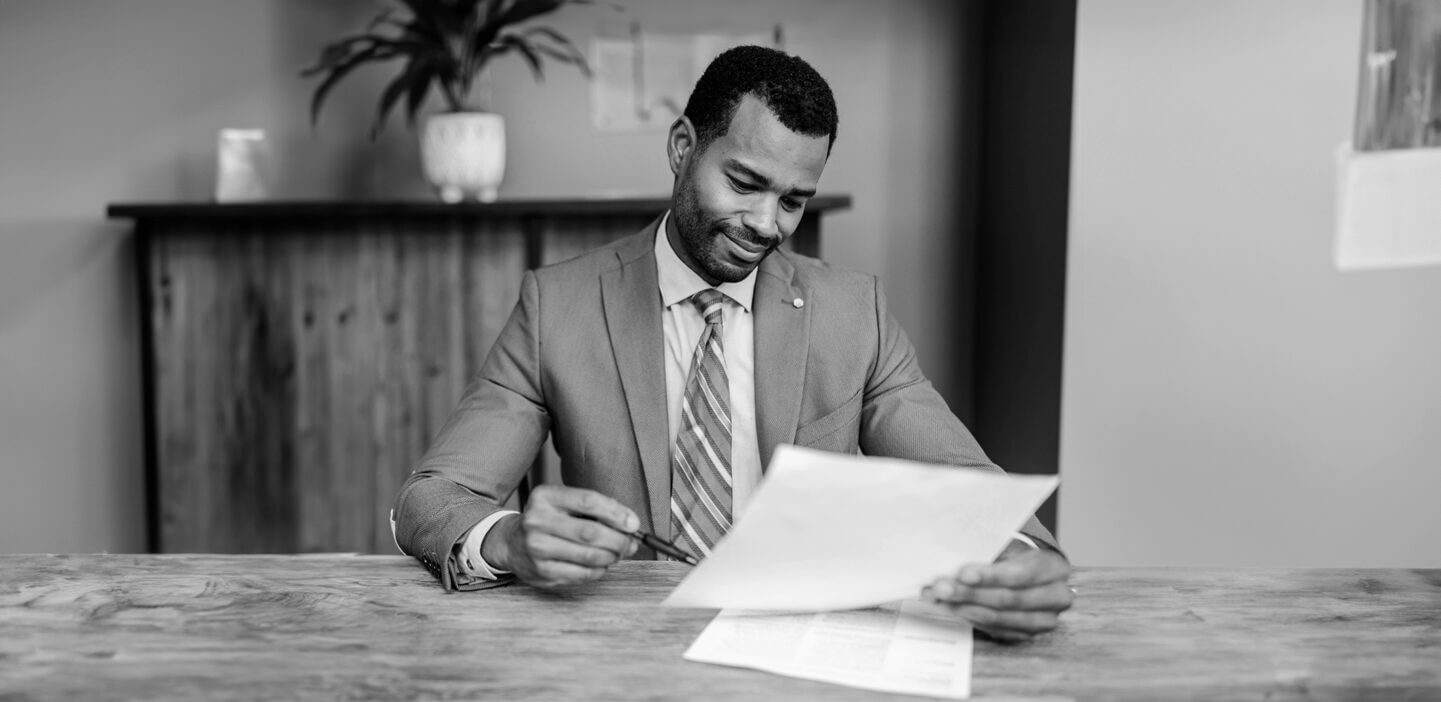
<point x="798" y="96"/>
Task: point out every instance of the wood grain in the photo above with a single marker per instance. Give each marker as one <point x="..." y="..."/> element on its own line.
<point x="378" y="627"/>
<point x="299" y="375"/>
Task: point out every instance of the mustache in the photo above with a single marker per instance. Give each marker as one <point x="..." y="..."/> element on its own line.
<point x="745" y="235"/>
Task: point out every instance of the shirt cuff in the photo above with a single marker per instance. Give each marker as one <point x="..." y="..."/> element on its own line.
<point x="1018" y="536"/>
<point x="470" y="561"/>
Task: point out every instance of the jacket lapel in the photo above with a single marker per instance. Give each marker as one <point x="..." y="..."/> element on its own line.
<point x="631" y="299"/>
<point x="782" y="335"/>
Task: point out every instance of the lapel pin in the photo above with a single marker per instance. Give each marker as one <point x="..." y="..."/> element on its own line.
<point x="798" y="303"/>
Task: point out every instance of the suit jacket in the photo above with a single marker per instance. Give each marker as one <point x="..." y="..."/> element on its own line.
<point x="581" y="359"/>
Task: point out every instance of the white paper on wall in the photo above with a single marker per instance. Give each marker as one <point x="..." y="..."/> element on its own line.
<point x="644" y="82"/>
<point x="1388" y="210"/>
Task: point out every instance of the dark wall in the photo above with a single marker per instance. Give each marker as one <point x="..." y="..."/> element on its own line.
<point x="959" y="249"/>
<point x="1028" y="49"/>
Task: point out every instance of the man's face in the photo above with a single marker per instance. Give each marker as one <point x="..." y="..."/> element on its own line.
<point x="744" y="194"/>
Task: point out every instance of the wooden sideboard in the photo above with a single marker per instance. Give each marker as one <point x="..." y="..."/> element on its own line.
<point x="298" y="357"/>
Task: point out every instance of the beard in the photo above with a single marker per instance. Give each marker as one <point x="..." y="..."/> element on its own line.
<point x="703" y="242"/>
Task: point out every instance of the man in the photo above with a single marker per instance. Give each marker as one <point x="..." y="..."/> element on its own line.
<point x="669" y="365"/>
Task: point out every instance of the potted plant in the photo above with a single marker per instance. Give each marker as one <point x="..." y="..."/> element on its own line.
<point x="445" y="45"/>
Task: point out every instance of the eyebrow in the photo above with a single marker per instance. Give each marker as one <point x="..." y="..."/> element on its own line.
<point x="761" y="180"/>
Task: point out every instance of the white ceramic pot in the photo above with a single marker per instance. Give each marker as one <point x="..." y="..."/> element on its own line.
<point x="463" y="154"/>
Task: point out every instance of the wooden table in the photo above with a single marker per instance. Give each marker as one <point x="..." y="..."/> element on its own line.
<point x="377" y="627"/>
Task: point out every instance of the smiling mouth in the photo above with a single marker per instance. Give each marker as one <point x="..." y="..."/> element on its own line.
<point x="750" y="247"/>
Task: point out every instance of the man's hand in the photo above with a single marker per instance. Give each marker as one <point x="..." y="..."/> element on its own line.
<point x="1020" y="595"/>
<point x="566" y="536"/>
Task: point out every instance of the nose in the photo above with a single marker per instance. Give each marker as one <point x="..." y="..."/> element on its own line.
<point x="762" y="219"/>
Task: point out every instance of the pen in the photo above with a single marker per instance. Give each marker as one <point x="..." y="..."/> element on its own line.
<point x="656" y="543"/>
<point x="665" y="547"/>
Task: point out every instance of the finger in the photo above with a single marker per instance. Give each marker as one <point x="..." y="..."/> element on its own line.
<point x="589" y="503"/>
<point x="1005" y="636"/>
<point x="558" y="573"/>
<point x="994" y="621"/>
<point x="582" y="532"/>
<point x="1028" y="570"/>
<point x="1014" y="549"/>
<point x="1051" y="597"/>
<point x="548" y="547"/>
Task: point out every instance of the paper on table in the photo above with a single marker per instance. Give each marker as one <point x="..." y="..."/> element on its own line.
<point x="829" y="531"/>
<point x="911" y="648"/>
<point x="1388" y="211"/>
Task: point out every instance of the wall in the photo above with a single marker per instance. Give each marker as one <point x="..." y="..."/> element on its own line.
<point x="900" y="164"/>
<point x="1230" y="398"/>
<point x="104" y="101"/>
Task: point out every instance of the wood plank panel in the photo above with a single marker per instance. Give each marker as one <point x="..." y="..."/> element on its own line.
<point x="392" y="425"/>
<point x="564" y="238"/>
<point x="264" y="407"/>
<point x="301" y="364"/>
<point x="300" y="376"/>
<point x="345" y="476"/>
<point x="310" y="310"/>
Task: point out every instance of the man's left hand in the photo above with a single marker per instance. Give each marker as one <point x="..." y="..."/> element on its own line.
<point x="1019" y="596"/>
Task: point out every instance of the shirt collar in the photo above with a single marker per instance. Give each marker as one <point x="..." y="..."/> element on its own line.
<point x="678" y="282"/>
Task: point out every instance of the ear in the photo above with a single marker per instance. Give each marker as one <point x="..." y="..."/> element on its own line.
<point x="680" y="144"/>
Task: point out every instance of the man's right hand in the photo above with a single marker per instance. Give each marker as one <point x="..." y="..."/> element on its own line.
<point x="566" y="536"/>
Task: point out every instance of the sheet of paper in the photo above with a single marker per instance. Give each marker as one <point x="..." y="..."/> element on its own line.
<point x="1388" y="212"/>
<point x="827" y="531"/>
<point x="910" y="647"/>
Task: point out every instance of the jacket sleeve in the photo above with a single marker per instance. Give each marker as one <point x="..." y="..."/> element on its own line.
<point x="482" y="452"/>
<point x="902" y="414"/>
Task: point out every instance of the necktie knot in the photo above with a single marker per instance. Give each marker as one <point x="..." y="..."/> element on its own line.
<point x="709" y="302"/>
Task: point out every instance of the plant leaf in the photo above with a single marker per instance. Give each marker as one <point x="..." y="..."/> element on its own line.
<point x="344" y="51"/>
<point x="373" y="53"/>
<point x="431" y="12"/>
<point x="336" y="53"/>
<point x="566" y="53"/>
<point x="383" y="18"/>
<point x="419" y="88"/>
<point x="488" y="32"/>
<point x="523" y="45"/>
<point x="447" y="44"/>
<point x="415" y="31"/>
<point x="492" y="10"/>
<point x="426" y="20"/>
<point x="415" y="72"/>
<point x="523" y="10"/>
<point x="565" y="58"/>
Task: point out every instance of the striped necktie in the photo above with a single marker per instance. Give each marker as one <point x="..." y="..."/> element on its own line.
<point x="700" y="497"/>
